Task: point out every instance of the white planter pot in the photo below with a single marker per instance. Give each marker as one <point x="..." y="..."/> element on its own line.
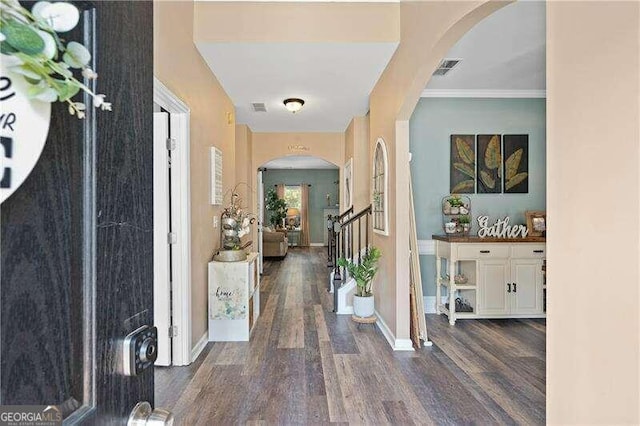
<point x="363" y="306"/>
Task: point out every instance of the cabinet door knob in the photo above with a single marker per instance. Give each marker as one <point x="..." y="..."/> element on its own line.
<point x="538" y="251"/>
<point x="515" y="288"/>
<point x="485" y="251"/>
<point x="508" y="287"/>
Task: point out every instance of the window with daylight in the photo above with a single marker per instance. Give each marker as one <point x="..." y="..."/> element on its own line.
<point x="293" y="196"/>
<point x="379" y="192"/>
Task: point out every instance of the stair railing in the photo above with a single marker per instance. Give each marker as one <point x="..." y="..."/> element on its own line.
<point x="344" y="241"/>
<point x="333" y="222"/>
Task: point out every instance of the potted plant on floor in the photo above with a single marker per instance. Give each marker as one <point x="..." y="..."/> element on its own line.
<point x="277" y="207"/>
<point x="363" y="273"/>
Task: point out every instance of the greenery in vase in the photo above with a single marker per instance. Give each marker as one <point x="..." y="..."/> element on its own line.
<point x="277" y="207"/>
<point x="464" y="219"/>
<point x="241" y="222"/>
<point x="363" y="272"/>
<point x="32" y="47"/>
<point x="455" y="201"/>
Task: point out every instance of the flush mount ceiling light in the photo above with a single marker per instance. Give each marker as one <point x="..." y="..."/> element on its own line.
<point x="293" y="104"/>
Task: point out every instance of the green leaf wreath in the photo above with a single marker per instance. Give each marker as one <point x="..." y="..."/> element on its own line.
<point x="31" y="46"/>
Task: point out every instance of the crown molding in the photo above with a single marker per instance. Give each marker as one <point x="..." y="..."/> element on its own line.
<point x="482" y="93"/>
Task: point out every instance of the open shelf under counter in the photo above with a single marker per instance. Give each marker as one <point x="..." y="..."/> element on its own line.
<point x="467" y="286"/>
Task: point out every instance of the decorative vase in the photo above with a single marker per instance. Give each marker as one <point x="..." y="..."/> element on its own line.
<point x="230" y="256"/>
<point x="455" y="210"/>
<point x="363" y="306"/>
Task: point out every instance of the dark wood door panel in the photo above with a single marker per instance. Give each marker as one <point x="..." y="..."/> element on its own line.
<point x="124" y="198"/>
<point x="44" y="233"/>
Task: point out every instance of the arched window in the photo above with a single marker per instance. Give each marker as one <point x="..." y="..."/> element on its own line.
<point x="380" y="191"/>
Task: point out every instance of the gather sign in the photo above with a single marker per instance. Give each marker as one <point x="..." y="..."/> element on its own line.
<point x="24" y="125"/>
<point x="500" y="229"/>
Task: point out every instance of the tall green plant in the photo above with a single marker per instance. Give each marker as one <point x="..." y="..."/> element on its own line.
<point x="277" y="207"/>
<point x="363" y="272"/>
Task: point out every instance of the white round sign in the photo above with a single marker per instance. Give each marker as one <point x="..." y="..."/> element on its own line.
<point x="24" y="125"/>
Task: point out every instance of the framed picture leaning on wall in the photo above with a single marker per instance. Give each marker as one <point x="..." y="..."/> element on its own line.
<point x="536" y="223"/>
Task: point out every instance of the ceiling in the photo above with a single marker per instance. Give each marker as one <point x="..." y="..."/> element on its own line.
<point x="334" y="79"/>
<point x="505" y="51"/>
<point x="299" y="162"/>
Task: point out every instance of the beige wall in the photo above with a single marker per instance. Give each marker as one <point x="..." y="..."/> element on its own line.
<point x="269" y="146"/>
<point x="593" y="158"/>
<point x="180" y="67"/>
<point x="357" y="147"/>
<point x="246" y="176"/>
<point x="428" y="30"/>
<point x="296" y="22"/>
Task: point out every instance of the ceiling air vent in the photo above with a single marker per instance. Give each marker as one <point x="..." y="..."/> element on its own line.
<point x="258" y="107"/>
<point x="446" y="65"/>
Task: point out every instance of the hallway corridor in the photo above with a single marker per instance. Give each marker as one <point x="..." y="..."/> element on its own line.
<point x="305" y="365"/>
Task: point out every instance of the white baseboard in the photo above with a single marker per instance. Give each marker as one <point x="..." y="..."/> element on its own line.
<point x="429" y="304"/>
<point x="317" y="244"/>
<point x="199" y="347"/>
<point x="396" y="344"/>
<point x="426" y="247"/>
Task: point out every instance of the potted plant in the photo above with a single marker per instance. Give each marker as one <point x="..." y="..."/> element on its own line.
<point x="277" y="207"/>
<point x="363" y="273"/>
<point x="455" y="203"/>
<point x="465" y="223"/>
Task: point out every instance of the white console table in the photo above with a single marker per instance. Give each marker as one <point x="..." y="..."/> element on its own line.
<point x="234" y="299"/>
<point x="504" y="277"/>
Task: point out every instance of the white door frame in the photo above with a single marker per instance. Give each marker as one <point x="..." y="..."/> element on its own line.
<point x="161" y="245"/>
<point x="260" y="220"/>
<point x="180" y="189"/>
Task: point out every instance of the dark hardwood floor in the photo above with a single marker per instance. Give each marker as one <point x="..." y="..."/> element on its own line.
<point x="306" y="365"/>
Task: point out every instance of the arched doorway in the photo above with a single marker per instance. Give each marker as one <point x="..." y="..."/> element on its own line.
<point x="309" y="187"/>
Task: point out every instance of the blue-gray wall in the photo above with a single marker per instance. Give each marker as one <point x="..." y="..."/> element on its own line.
<point x="322" y="183"/>
<point x="433" y="122"/>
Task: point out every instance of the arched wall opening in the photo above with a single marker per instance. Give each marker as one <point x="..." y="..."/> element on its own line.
<point x="321" y="180"/>
<point x="498" y="89"/>
<point x="428" y="31"/>
<point x="587" y="123"/>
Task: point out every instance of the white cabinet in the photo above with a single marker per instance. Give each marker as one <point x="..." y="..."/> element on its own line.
<point x="526" y="286"/>
<point x="493" y="276"/>
<point x="502" y="279"/>
<point x="234" y="299"/>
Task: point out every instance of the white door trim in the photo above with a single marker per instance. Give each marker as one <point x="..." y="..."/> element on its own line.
<point x="161" y="247"/>
<point x="260" y="221"/>
<point x="180" y="219"/>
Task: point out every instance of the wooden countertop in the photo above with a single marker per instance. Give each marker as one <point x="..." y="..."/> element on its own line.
<point x="476" y="239"/>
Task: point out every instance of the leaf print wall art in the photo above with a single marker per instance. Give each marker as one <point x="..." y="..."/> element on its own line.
<point x="489" y="164"/>
<point x="516" y="164"/>
<point x="463" y="165"/>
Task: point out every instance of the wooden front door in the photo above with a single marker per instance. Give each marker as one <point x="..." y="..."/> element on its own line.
<point x="77" y="237"/>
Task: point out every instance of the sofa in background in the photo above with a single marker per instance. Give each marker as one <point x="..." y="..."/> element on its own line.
<point x="274" y="243"/>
